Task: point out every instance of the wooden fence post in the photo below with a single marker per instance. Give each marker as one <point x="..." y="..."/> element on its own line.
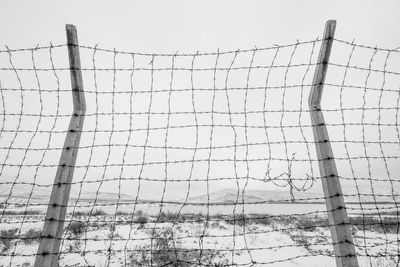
<point x="47" y="255"/>
<point x="344" y="249"/>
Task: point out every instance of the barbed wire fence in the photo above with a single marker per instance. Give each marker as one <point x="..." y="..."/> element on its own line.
<point x="199" y="159"/>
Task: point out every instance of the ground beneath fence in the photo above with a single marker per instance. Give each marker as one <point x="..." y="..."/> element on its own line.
<point x="263" y="242"/>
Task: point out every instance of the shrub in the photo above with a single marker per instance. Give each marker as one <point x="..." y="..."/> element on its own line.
<point x="181" y="218"/>
<point x="98" y="212"/>
<point x="310" y="224"/>
<point x="391" y="224"/>
<point x="306" y="224"/>
<point x="95" y="225"/>
<point x="195" y="218"/>
<point x="199" y="217"/>
<point x="79" y="213"/>
<point x="168" y="217"/>
<point x="31" y="236"/>
<point x="219" y="217"/>
<point x="373" y="223"/>
<point x="239" y="219"/>
<point x="6" y="237"/>
<point x="139" y="213"/>
<point x="76" y="228"/>
<point x="302" y="240"/>
<point x="267" y="220"/>
<point x="24" y="212"/>
<point x="168" y="252"/>
<point x="141" y="220"/>
<point x="215" y="224"/>
<point x="285" y="219"/>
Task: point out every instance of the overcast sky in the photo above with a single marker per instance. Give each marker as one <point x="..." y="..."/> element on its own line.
<point x="167" y="26"/>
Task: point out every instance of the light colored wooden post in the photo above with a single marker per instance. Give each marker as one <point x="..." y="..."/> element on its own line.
<point x="345" y="254"/>
<point x="47" y="255"/>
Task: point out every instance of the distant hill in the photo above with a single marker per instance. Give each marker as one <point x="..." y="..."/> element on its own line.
<point x="232" y="195"/>
<point x="21" y="192"/>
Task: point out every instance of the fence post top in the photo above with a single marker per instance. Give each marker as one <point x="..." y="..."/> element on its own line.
<point x="72" y="34"/>
<point x="331" y="21"/>
<point x="70" y="27"/>
<point x="330" y="27"/>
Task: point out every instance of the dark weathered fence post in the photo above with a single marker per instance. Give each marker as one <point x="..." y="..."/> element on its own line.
<point x="340" y="228"/>
<point x="49" y="246"/>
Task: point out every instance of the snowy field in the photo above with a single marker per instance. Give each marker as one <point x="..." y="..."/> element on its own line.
<point x="223" y="241"/>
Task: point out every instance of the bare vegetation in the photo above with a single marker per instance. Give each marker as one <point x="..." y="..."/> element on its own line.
<point x="96" y="212"/>
<point x="6" y="238"/>
<point x="166" y="251"/>
<point x="24" y="212"/>
<point x="374" y="223"/>
<point x="141" y="220"/>
<point x="31" y="236"/>
<point x="76" y="228"/>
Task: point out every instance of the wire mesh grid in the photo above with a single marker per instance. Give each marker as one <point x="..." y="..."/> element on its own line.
<point x="201" y="159"/>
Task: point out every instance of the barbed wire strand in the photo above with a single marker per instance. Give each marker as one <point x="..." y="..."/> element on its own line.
<point x="145" y="143"/>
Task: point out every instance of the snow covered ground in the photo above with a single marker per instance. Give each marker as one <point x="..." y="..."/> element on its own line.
<point x="99" y="242"/>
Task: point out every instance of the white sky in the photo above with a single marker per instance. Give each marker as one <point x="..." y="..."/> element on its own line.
<point x="167" y="26"/>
